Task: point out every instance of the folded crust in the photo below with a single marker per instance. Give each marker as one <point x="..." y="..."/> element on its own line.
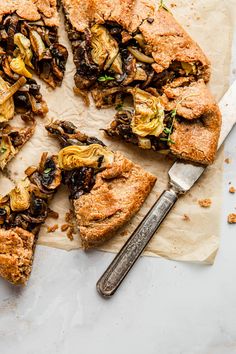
<point x="32" y="10"/>
<point x="16" y="254"/>
<point x="197" y="140"/>
<point x="168" y="42"/>
<point x="117" y="195"/>
<point x="196" y="134"/>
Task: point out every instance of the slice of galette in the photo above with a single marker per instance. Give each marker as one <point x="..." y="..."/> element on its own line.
<point x="28" y="44"/>
<point x="29" y="40"/>
<point x="12" y="139"/>
<point x="184" y="121"/>
<point x="106" y="189"/>
<point x="22" y="212"/>
<point x="117" y="44"/>
<point x="134" y="55"/>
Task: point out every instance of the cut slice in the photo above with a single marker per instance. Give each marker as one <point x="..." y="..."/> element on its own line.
<point x="184" y="121"/>
<point x="106" y="189"/>
<point x="136" y="49"/>
<point x="127" y="43"/>
<point x="28" y="43"/>
<point x="29" y="40"/>
<point x="22" y="212"/>
<point x="12" y="139"/>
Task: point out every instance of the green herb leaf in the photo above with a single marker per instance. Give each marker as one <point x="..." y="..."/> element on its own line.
<point x="167" y="130"/>
<point x="173" y="113"/>
<point x="47" y="171"/>
<point x="119" y="107"/>
<point x="105" y="78"/>
<point x="3" y="149"/>
<point x="163" y="6"/>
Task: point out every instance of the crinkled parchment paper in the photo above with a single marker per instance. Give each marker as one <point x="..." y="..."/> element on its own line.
<point x="210" y="22"/>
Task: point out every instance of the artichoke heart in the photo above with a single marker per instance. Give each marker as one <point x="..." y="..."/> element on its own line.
<point x="189" y="68"/>
<point x="20" y="197"/>
<point x="7" y="108"/>
<point x="23" y="43"/>
<point x="18" y="66"/>
<point x="76" y="156"/>
<point x="105" y="49"/>
<point x="149" y="114"/>
<point x="7" y="150"/>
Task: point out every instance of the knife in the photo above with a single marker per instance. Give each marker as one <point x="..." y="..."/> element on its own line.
<point x="182" y="177"/>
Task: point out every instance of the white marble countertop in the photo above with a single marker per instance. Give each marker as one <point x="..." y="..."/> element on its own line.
<point x="163" y="307"/>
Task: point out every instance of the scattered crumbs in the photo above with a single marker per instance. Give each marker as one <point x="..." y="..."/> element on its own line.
<point x="70" y="226"/>
<point x="232" y="189"/>
<point x="70" y="233"/>
<point x="64" y="227"/>
<point x="173" y="5"/>
<point x="232" y="218"/>
<point x="198" y="18"/>
<point x="52" y="228"/>
<point x="204" y="203"/>
<point x="186" y="217"/>
<point x="52" y="214"/>
<point x="227" y="160"/>
<point x="69" y="216"/>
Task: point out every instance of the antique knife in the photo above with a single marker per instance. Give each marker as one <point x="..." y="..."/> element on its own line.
<point x="182" y="177"/>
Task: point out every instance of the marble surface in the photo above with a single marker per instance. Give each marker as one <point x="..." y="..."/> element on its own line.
<point x="163" y="307"/>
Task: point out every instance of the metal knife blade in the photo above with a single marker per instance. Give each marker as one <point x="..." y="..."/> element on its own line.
<point x="182" y="177"/>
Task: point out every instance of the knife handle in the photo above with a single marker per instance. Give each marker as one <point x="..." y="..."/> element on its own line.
<point x="134" y="246"/>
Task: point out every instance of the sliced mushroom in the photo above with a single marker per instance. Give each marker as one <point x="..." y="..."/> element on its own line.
<point x="37" y="44"/>
<point x="140" y="56"/>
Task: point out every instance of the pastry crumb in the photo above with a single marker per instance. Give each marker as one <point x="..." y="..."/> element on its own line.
<point x="232" y="218"/>
<point x="70" y="233"/>
<point x="227" y="160"/>
<point x="64" y="227"/>
<point x="52" y="214"/>
<point x="232" y="190"/>
<point x="204" y="203"/>
<point x="186" y="217"/>
<point x="173" y="5"/>
<point x="70" y="226"/>
<point x="52" y="228"/>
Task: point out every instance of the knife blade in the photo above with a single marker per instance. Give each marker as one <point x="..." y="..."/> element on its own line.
<point x="182" y="176"/>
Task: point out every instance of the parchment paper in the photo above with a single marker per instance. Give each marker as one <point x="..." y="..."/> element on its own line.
<point x="210" y="22"/>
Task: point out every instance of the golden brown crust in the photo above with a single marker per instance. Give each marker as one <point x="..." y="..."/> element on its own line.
<point x="77" y="12"/>
<point x="32" y="10"/>
<point x="170" y="42"/>
<point x="195" y="135"/>
<point x="16" y="254"/>
<point x="167" y="40"/>
<point x="117" y="195"/>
